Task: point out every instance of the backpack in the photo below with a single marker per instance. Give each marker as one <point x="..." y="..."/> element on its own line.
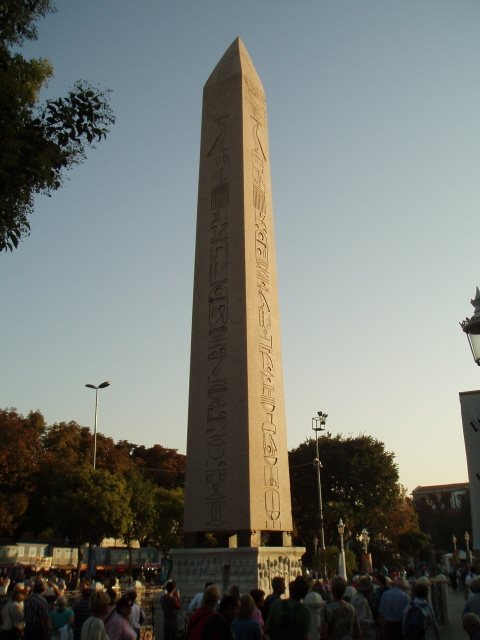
<point x="415" y="623"/>
<point x="287" y="628"/>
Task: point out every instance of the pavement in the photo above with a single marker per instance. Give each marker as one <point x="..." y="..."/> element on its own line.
<point x="454" y="630"/>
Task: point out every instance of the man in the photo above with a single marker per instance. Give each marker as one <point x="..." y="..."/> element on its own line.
<point x="391" y="607"/>
<point x="473" y="603"/>
<point x="361" y="602"/>
<point x="196" y="602"/>
<point x="471" y="624"/>
<point x="81" y="610"/>
<point x="35" y="610"/>
<point x="278" y="586"/>
<point x="218" y="626"/>
<point x="418" y="618"/>
<point x="290" y="619"/>
<point x="170" y="603"/>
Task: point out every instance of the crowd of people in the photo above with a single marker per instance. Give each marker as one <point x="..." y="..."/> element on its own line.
<point x="371" y="608"/>
<point x="30" y="613"/>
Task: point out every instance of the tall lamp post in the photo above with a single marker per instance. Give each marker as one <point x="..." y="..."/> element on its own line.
<point x="100" y="386"/>
<point x="467" y="540"/>
<point x="318" y="424"/>
<point x="342" y="569"/>
<point x="454" y="540"/>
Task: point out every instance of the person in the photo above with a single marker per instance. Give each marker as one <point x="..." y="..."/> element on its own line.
<point x="196" y="602"/>
<point x="278" y="586"/>
<point x="117" y="625"/>
<point x="259" y="599"/>
<point x="290" y="618"/>
<point x="137" y="615"/>
<point x="211" y="596"/>
<point x="244" y="627"/>
<point x="338" y="619"/>
<point x="81" y="610"/>
<point x="59" y="617"/>
<point x="218" y="626"/>
<point x="36" y="613"/>
<point x="418" y="617"/>
<point x="235" y="591"/>
<point x="391" y="607"/>
<point x="471" y="575"/>
<point x="93" y="627"/>
<point x="317" y="587"/>
<point x="361" y="603"/>
<point x="473" y="603"/>
<point x="453" y="577"/>
<point x="12" y="614"/>
<point x="471" y="624"/>
<point x="170" y="603"/>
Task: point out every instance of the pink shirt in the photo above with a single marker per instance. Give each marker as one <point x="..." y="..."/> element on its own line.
<point x="257" y="615"/>
<point x="119" y="628"/>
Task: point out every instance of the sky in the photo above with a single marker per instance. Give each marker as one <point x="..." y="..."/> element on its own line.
<point x="373" y="114"/>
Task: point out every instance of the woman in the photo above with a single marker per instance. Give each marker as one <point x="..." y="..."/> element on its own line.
<point x="93" y="627"/>
<point x="59" y="617"/>
<point x="117" y="624"/>
<point x="211" y="596"/>
<point x="338" y="619"/>
<point x="12" y="614"/>
<point x="259" y="599"/>
<point x="245" y="627"/>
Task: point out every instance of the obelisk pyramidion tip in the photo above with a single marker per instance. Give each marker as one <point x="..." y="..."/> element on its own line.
<point x="234" y="61"/>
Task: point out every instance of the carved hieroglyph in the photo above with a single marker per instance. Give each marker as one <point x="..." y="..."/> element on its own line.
<point x="237" y="466"/>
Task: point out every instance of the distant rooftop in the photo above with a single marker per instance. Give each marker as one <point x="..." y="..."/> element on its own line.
<point x="435" y="488"/>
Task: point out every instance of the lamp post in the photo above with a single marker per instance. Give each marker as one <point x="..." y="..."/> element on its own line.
<point x="342" y="569"/>
<point x="318" y="424"/>
<point x="471" y="326"/>
<point x="365" y="539"/>
<point x="467" y="540"/>
<point x="100" y="386"/>
<point x="454" y="540"/>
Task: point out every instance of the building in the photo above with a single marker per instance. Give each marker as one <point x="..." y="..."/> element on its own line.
<point x="440" y="495"/>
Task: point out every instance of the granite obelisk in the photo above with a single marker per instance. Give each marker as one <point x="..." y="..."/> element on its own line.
<point x="237" y="478"/>
<point x="237" y="467"/>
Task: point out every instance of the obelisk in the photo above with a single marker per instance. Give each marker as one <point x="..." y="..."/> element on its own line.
<point x="237" y="478"/>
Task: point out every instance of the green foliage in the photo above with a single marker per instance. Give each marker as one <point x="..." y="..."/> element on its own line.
<point x="412" y="542"/>
<point x="89" y="505"/>
<point x="330" y="559"/>
<point x="39" y="142"/>
<point x="33" y="456"/>
<point x="168" y="527"/>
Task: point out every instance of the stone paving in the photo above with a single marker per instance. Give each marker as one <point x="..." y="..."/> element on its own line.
<point x="454" y="630"/>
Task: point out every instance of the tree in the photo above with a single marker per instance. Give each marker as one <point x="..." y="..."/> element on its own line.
<point x="20" y="452"/>
<point x="88" y="505"/>
<point x="168" y="527"/>
<point x="359" y="484"/>
<point x="142" y="506"/>
<point x="164" y="467"/>
<point x="39" y="142"/>
<point x="330" y="558"/>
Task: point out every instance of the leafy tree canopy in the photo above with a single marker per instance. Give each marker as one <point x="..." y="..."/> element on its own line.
<point x="39" y="141"/>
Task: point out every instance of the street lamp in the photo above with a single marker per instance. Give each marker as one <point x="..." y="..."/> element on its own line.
<point x="467" y="540"/>
<point x="471" y="326"/>
<point x="365" y="539"/>
<point x="100" y="386"/>
<point x="318" y="424"/>
<point x="454" y="540"/>
<point x="342" y="570"/>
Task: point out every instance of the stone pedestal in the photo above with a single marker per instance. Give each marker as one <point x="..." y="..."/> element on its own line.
<point x="247" y="567"/>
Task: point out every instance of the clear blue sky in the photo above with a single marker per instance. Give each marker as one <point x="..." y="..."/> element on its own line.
<point x="374" y="133"/>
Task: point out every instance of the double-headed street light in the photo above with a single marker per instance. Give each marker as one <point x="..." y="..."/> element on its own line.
<point x="318" y="424"/>
<point x="100" y="386"/>
<point x="471" y="326"/>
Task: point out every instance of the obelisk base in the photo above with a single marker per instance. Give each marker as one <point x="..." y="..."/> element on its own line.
<point x="247" y="567"/>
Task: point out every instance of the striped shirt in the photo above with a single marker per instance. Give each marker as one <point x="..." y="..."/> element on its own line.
<point x="35" y="609"/>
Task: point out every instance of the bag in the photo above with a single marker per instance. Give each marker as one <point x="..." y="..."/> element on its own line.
<point x="415" y="623"/>
<point x="287" y="628"/>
